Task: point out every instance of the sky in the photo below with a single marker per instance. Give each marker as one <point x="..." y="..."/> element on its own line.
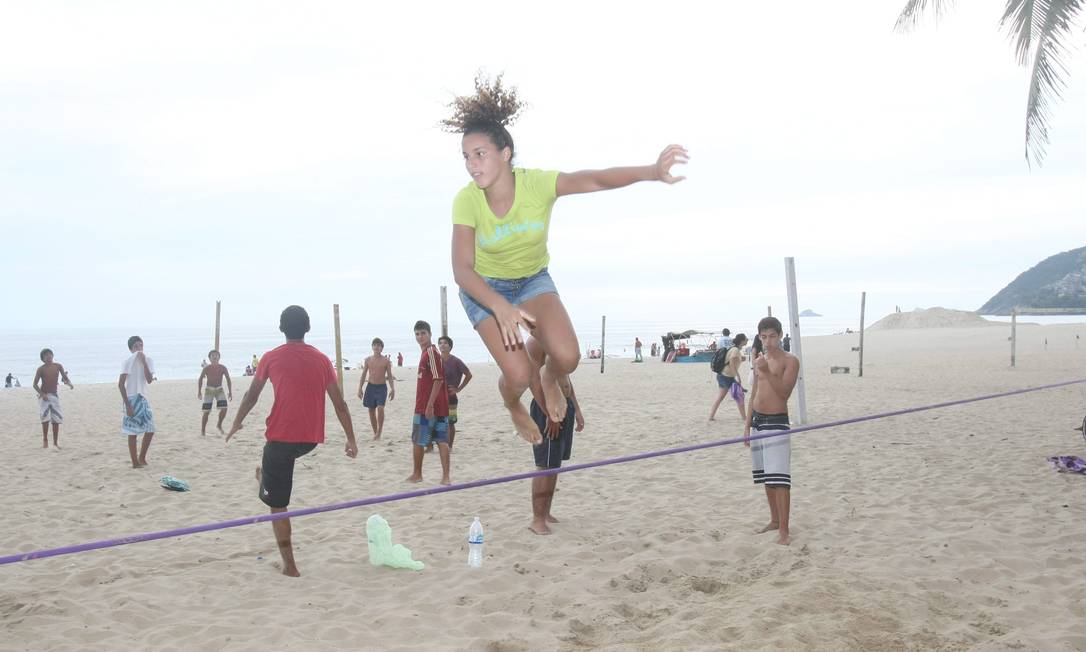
<point x="157" y="157"/>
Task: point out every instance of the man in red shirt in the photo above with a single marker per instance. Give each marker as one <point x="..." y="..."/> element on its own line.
<point x="431" y="422"/>
<point x="301" y="376"/>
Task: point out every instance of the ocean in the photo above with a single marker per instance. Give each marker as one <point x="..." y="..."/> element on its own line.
<point x="94" y="355"/>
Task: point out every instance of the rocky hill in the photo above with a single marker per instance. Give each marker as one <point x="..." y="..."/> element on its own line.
<point x="1055" y="285"/>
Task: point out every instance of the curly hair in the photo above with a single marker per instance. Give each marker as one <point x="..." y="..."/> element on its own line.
<point x="489" y="111"/>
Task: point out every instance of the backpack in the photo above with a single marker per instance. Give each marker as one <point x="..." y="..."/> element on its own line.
<point x="720" y="358"/>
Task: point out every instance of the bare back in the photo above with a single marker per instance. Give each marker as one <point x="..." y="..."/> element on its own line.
<point x="378" y="367"/>
<point x="774" y="385"/>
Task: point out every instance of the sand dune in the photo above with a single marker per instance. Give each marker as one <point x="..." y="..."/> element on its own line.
<point x="940" y="530"/>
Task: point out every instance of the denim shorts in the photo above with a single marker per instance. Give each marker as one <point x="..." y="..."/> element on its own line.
<point x="514" y="290"/>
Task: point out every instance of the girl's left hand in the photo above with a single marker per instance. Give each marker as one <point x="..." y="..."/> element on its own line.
<point x="670" y="156"/>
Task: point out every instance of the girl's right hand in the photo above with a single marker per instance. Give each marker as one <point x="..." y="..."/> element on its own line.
<point x="509" y="319"/>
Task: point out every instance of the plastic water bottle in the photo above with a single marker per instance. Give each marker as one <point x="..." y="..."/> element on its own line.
<point x="475" y="544"/>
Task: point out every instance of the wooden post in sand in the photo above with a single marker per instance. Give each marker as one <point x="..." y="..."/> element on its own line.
<point x="444" y="312"/>
<point x="863" y="303"/>
<point x="797" y="341"/>
<point x="339" y="348"/>
<point x="1014" y="332"/>
<point x="769" y="311"/>
<point x="218" y="313"/>
<point x="603" y="341"/>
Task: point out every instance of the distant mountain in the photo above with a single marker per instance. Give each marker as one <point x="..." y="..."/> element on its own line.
<point x="809" y="313"/>
<point x="1055" y="285"/>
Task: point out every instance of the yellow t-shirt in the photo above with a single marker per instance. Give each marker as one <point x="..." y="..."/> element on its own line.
<point x="514" y="246"/>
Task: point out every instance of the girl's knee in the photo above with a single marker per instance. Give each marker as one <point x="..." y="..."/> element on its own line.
<point x="565" y="361"/>
<point x="515" y="381"/>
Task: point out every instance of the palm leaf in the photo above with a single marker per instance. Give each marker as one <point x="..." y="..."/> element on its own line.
<point x="1041" y="28"/>
<point x="910" y="15"/>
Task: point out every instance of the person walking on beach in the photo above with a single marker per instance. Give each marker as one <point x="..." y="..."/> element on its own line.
<point x="729" y="381"/>
<point x="557" y="444"/>
<point x="457" y="377"/>
<point x="137" y="373"/>
<point x="47" y="383"/>
<point x="301" y="376"/>
<point x="500" y="225"/>
<point x="214" y="373"/>
<point x="637" y="350"/>
<point x="380" y="385"/>
<point x="431" y="421"/>
<point x="775" y="373"/>
<point x="725" y="340"/>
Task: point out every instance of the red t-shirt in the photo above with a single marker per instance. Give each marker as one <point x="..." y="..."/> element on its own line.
<point x="431" y="370"/>
<point x="300" y="375"/>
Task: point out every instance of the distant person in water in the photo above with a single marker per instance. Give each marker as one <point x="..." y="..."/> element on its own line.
<point x="46" y="383"/>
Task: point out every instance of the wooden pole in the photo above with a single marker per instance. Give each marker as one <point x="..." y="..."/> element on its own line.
<point x="863" y="304"/>
<point x="603" y="342"/>
<point x="444" y="312"/>
<point x="769" y="311"/>
<point x="797" y="338"/>
<point x="1014" y="333"/>
<point x="339" y="348"/>
<point x="218" y="314"/>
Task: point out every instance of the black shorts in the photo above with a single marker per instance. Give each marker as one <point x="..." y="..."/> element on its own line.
<point x="277" y="471"/>
<point x="552" y="452"/>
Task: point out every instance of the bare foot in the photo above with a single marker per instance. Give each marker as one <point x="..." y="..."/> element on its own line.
<point x="56" y="446"/>
<point x="143" y="462"/>
<point x="45" y="444"/>
<point x="376" y="437"/>
<point x="522" y="421"/>
<point x="221" y="431"/>
<point x="204" y="433"/>
<point x="135" y="465"/>
<point x="556" y="400"/>
<point x="773" y="525"/>
<point x="784" y="539"/>
<point x="712" y="418"/>
<point x="551" y="519"/>
<point x="291" y="571"/>
<point x="445" y="480"/>
<point x="539" y="527"/>
<point x="414" y="478"/>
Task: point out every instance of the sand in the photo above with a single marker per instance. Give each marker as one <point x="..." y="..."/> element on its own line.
<point x="940" y="530"/>
<point x="933" y="318"/>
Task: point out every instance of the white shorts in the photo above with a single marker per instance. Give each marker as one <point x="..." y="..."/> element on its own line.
<point x="49" y="409"/>
<point x="771" y="458"/>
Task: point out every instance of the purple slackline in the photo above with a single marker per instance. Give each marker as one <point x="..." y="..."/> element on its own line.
<point x="374" y="500"/>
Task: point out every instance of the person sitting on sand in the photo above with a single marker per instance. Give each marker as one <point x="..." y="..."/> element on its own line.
<point x="775" y="374"/>
<point x="376" y="386"/>
<point x="431" y="421"/>
<point x="557" y="444"/>
<point x="214" y="373"/>
<point x="46" y="385"/>
<point x="301" y="376"/>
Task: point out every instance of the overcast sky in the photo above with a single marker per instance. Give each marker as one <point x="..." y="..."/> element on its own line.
<point x="155" y="157"/>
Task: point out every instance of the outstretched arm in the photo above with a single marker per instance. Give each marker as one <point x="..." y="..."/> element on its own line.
<point x="573" y="183"/>
<point x="248" y="402"/>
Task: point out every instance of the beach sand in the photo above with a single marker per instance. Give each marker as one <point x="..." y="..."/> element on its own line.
<point x="939" y="530"/>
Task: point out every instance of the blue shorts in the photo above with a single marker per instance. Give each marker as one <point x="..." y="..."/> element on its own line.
<point x="514" y="290"/>
<point x="424" y="433"/>
<point x="724" y="382"/>
<point x="375" y="395"/>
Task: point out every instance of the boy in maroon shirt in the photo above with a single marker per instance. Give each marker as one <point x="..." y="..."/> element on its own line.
<point x="301" y="376"/>
<point x="431" y="421"/>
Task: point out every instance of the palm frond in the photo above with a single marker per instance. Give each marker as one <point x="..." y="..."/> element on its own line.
<point x="1050" y="27"/>
<point x="1023" y="27"/>
<point x="910" y="15"/>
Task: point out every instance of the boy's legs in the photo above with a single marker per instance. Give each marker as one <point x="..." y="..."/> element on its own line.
<point x="443" y="452"/>
<point x="452" y="434"/>
<point x="144" y="446"/>
<point x="716" y="404"/>
<point x="222" y="417"/>
<point x="373" y="423"/>
<point x="45" y="434"/>
<point x="542" y="496"/>
<point x="282" y="540"/>
<point x="380" y="421"/>
<point x="203" y="420"/>
<point x="56" y="435"/>
<point x="774" y="517"/>
<point x="784" y="500"/>
<point x="416" y="461"/>
<point x="132" y="451"/>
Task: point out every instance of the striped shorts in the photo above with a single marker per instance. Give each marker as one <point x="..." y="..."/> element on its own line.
<point x="771" y="458"/>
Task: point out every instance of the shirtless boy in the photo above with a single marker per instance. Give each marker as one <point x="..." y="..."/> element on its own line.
<point x="214" y="373"/>
<point x="46" y="385"/>
<point x="376" y="372"/>
<point x="775" y="373"/>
